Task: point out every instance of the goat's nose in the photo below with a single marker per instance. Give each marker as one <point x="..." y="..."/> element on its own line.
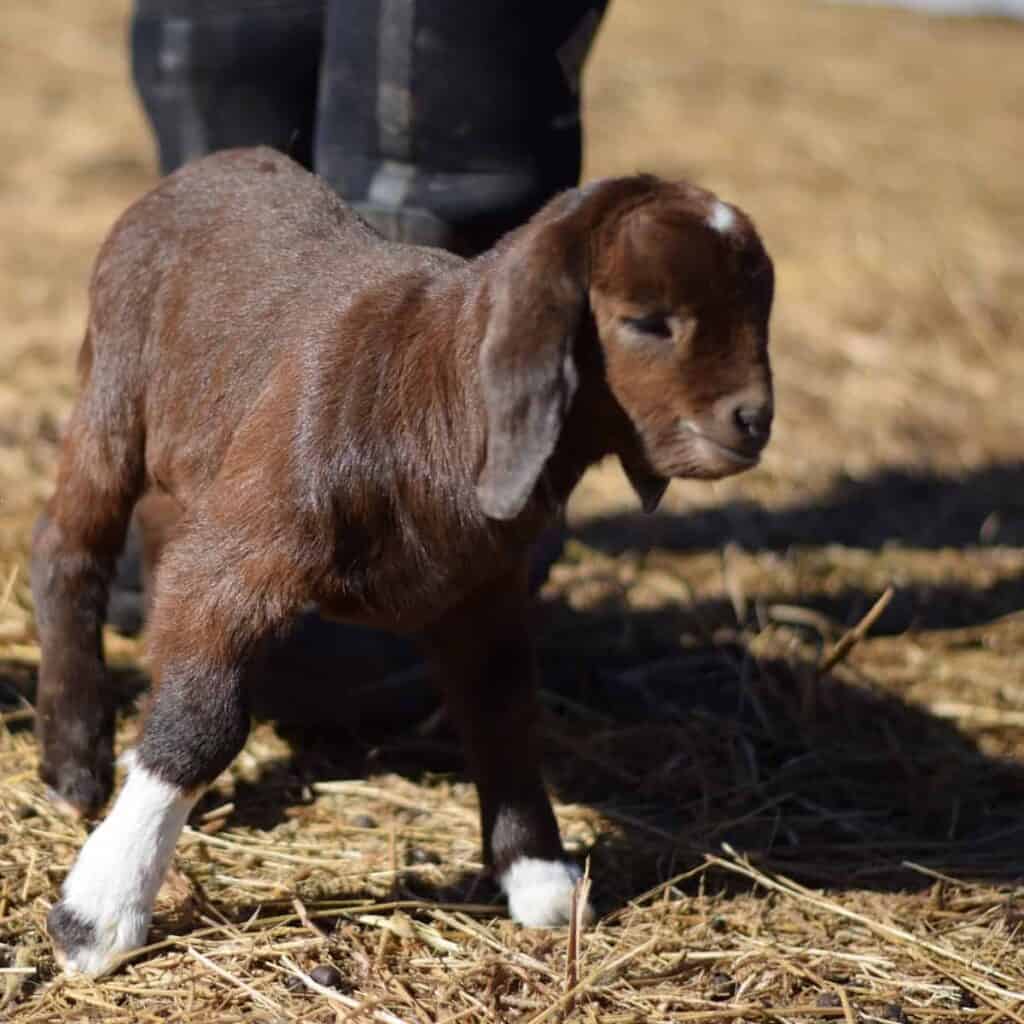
<point x="754" y="419"/>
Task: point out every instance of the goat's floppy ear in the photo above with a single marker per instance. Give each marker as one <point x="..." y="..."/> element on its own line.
<point x="527" y="372"/>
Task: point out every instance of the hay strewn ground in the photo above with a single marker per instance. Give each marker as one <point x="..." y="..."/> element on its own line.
<point x="781" y="827"/>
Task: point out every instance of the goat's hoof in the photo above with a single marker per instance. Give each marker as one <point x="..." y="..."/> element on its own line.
<point x="92" y="948"/>
<point x="540" y="892"/>
<point x="78" y="791"/>
<point x="79" y="786"/>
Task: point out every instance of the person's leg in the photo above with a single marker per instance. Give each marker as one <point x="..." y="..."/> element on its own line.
<point x="213" y="74"/>
<point x="449" y="123"/>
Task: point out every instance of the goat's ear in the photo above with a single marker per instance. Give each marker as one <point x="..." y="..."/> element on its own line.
<point x="537" y="295"/>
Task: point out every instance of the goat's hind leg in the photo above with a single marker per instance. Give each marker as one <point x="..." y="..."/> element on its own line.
<point x="74" y="549"/>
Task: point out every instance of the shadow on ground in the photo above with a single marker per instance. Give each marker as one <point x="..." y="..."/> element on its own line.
<point x="829" y="781"/>
<point x="919" y="509"/>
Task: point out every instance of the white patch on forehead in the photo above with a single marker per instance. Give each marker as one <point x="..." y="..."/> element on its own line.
<point x="722" y="217"/>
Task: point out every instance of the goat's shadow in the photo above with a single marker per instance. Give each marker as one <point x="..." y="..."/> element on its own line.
<point x="918" y="508"/>
<point x="829" y="782"/>
<point x="684" y="747"/>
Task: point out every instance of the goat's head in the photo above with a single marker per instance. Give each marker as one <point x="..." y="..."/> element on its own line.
<point x="676" y="287"/>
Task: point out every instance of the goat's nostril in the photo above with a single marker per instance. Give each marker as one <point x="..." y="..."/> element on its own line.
<point x="754" y="419"/>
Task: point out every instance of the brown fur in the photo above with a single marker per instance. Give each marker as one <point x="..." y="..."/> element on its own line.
<point x="379" y="429"/>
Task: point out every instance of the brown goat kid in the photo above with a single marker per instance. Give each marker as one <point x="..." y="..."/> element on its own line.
<point x="381" y="430"/>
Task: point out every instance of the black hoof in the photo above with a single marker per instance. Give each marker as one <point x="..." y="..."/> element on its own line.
<point x="84" y="790"/>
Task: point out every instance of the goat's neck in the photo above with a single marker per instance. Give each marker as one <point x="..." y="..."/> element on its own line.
<point x="595" y="426"/>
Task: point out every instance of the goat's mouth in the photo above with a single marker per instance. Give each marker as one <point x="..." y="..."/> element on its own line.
<point x="740" y="459"/>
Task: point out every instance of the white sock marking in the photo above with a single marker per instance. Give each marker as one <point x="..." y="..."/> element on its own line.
<point x="114" y="881"/>
<point x="540" y="891"/>
<point x="722" y="217"/>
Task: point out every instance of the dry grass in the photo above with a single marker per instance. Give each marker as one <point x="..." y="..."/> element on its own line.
<point x="782" y="824"/>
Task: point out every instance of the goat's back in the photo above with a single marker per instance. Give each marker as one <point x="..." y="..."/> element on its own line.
<point x="238" y="267"/>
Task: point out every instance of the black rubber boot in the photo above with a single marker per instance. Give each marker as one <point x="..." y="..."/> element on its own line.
<point x="446" y="123"/>
<point x="213" y="74"/>
<point x="449" y="123"/>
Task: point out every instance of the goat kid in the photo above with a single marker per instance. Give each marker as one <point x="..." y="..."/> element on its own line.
<point x="379" y="429"/>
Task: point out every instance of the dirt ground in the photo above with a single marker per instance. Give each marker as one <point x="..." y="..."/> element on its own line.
<point x="782" y="825"/>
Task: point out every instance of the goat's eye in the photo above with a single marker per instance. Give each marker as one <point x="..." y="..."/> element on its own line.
<point x="653" y="323"/>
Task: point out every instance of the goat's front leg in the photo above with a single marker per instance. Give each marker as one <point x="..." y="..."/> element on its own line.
<point x="485" y="667"/>
<point x="210" y="613"/>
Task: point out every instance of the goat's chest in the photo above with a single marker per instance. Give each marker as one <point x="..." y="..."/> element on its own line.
<point x="404" y="584"/>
